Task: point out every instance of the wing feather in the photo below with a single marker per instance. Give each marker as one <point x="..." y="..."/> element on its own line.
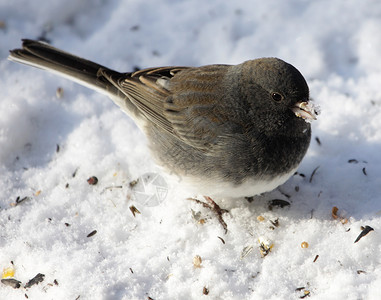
<point x="179" y="100"/>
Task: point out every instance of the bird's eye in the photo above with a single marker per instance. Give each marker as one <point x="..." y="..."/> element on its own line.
<point x="277" y="97"/>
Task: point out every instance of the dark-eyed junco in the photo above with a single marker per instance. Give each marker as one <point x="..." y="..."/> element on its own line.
<point x="228" y="130"/>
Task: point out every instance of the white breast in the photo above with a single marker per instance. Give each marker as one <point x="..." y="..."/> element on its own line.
<point x="220" y="189"/>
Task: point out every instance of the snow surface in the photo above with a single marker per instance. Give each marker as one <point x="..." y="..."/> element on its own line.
<point x="335" y="44"/>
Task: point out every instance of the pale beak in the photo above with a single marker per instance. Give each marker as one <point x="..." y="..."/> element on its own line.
<point x="306" y="110"/>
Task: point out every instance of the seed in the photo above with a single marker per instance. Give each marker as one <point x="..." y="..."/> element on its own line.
<point x="92" y="233"/>
<point x="59" y="92"/>
<point x="197" y="261"/>
<point x="92" y="180"/>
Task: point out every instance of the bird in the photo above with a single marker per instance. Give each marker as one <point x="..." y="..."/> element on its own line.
<point x="225" y="130"/>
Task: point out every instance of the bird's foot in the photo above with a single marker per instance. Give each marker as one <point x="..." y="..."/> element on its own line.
<point x="213" y="206"/>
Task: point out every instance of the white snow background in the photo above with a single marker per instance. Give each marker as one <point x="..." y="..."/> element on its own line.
<point x="337" y="47"/>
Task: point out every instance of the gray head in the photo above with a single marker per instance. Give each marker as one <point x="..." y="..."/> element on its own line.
<point x="274" y="91"/>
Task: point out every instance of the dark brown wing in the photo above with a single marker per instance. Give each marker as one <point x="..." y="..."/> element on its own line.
<point x="182" y="101"/>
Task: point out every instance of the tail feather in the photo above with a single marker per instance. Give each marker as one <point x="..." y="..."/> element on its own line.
<point x="44" y="56"/>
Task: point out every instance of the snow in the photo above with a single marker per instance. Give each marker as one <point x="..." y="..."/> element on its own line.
<point x="335" y="44"/>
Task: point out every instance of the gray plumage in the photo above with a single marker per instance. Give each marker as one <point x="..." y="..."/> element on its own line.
<point x="218" y="126"/>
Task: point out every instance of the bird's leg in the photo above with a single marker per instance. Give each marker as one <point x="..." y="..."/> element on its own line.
<point x="213" y="206"/>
